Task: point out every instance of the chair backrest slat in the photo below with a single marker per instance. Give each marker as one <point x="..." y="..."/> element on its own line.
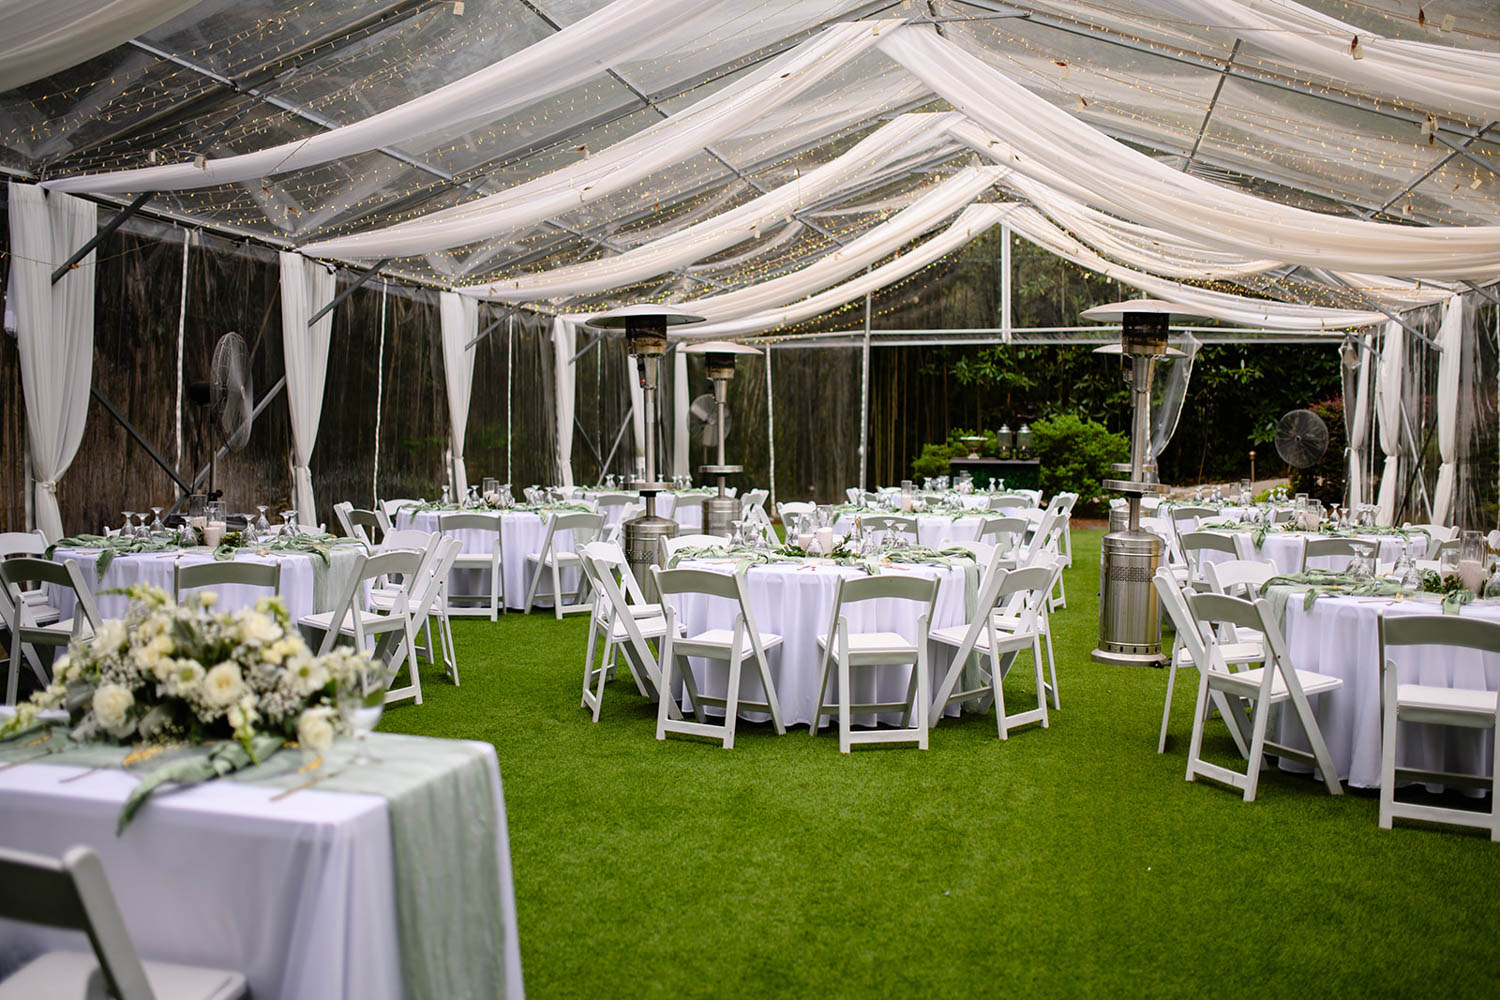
<point x="228" y="572"/>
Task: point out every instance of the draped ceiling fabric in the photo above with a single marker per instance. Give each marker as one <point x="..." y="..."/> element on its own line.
<point x="44" y="36"/>
<point x="306" y="287"/>
<point x="54" y="333"/>
<point x="459" y="318"/>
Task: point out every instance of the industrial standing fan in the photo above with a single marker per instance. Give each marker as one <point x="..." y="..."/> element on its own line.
<point x="1301" y="438"/>
<point x="227" y="400"/>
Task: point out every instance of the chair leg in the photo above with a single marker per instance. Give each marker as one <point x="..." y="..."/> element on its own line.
<point x="536" y="580"/>
<point x="920" y="700"/>
<point x="1257" y="749"/>
<point x="1052" y="664"/>
<point x="588" y="660"/>
<point x="1041" y="682"/>
<point x="1389" y="719"/>
<point x="450" y="654"/>
<point x="732" y="697"/>
<point x="821" y="703"/>
<point x="1166" y="708"/>
<point x="997" y="685"/>
<point x="557" y="597"/>
<point x="845" y="722"/>
<point x="664" y="701"/>
<point x="1200" y="717"/>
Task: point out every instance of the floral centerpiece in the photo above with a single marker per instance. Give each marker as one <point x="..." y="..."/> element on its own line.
<point x="182" y="673"/>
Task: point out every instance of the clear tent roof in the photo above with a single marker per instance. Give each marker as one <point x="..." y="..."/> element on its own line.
<point x="229" y="77"/>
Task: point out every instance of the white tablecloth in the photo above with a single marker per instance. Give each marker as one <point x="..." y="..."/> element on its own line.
<point x="522" y="533"/>
<point x="795" y="601"/>
<point x="1340" y="636"/>
<point x="1284" y="550"/>
<point x="156" y="568"/>
<point x="297" y="894"/>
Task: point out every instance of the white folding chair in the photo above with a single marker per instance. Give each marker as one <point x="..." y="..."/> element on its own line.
<point x="902" y="524"/>
<point x="1185" y="518"/>
<point x="493" y="561"/>
<point x="787" y="511"/>
<point x="1006" y="534"/>
<point x="623" y="619"/>
<point x="1021" y="596"/>
<point x="1064" y="532"/>
<point x="1239" y="577"/>
<point x="391" y="627"/>
<point x="73" y="894"/>
<point x="1193" y="544"/>
<point x="614" y="505"/>
<point x="392" y="508"/>
<point x="753" y="500"/>
<point x="728" y="646"/>
<point x="1463" y="708"/>
<point x="1436" y="534"/>
<point x="341" y="514"/>
<point x="428" y="598"/>
<point x="581" y="527"/>
<point x="230" y="572"/>
<point x="669" y="547"/>
<point x="1187" y="652"/>
<point x="616" y="532"/>
<point x="30" y="543"/>
<point x="1011" y="501"/>
<point x="26" y="632"/>
<point x="873" y="651"/>
<point x="1265" y="688"/>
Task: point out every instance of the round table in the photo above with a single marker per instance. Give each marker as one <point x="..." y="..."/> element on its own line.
<point x="685" y="508"/>
<point x="304" y="589"/>
<point x="933" y="530"/>
<point x="1340" y="636"/>
<point x="795" y="601"/>
<point x="521" y="534"/>
<point x="1284" y="549"/>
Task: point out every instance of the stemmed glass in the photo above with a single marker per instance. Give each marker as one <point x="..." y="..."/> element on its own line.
<point x="157" y="527"/>
<point x="262" y="526"/>
<point x="361" y="704"/>
<point x="288" y="523"/>
<point x="447" y="495"/>
<point x="141" y="531"/>
<point x="127" y="531"/>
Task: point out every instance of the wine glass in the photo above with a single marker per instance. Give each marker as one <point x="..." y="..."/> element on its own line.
<point x="262" y="526"/>
<point x="288" y="523"/>
<point x="141" y="531"/>
<point x="126" y="531"/>
<point x="157" y="527"/>
<point x="361" y="703"/>
<point x="447" y="495"/>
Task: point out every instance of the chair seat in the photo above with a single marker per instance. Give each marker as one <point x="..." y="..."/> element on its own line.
<point x="723" y="638"/>
<point x="650" y="628"/>
<point x="1467" y="701"/>
<point x="1247" y="682"/>
<point x="474" y="560"/>
<point x="65" y="974"/>
<point x="369" y="620"/>
<point x="876" y="642"/>
<point x="556" y="558"/>
<point x="1234" y="652"/>
<point x="954" y="635"/>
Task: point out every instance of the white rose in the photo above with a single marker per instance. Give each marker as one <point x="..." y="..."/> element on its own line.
<point x="223" y="685"/>
<point x="111" y="703"/>
<point x="183" y="677"/>
<point x="109" y="638"/>
<point x="259" y="628"/>
<point x="208" y="598"/>
<point x="283" y="649"/>
<point x="315" y="729"/>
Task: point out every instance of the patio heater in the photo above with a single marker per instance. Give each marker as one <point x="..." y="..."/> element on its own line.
<point x="1129" y="610"/>
<point x="645" y="329"/>
<point x="720" y="511"/>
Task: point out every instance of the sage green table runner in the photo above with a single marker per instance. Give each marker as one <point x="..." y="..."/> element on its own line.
<point x="445" y="832"/>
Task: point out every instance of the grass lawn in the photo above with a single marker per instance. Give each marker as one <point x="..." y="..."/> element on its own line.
<point x="1068" y="861"/>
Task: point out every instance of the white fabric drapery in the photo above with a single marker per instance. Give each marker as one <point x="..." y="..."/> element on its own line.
<point x="624" y="163"/>
<point x="1400" y="69"/>
<point x="1388" y="414"/>
<point x="616" y="33"/>
<point x="43" y="37"/>
<point x="890" y="144"/>
<point x="1230" y="308"/>
<point x="564" y="340"/>
<point x="1450" y="342"/>
<point x="1038" y="139"/>
<point x="306" y="287"/>
<point x="1359" y="430"/>
<point x="460" y="325"/>
<point x="54" y="333"/>
<point x="970" y="223"/>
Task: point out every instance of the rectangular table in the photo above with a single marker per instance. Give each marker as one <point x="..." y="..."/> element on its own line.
<point x="300" y="894"/>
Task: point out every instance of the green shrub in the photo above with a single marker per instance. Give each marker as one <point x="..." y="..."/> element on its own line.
<point x="1076" y="455"/>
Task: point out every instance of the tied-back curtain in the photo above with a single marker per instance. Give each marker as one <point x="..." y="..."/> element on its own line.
<point x="1359" y="430"/>
<point x="460" y="323"/>
<point x="1388" y="410"/>
<point x="54" y="333"/>
<point x="306" y="287"/>
<point x="564" y="339"/>
<point x="1450" y="341"/>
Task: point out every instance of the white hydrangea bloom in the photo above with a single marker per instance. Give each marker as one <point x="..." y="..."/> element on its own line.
<point x="109" y="637"/>
<point x="258" y="628"/>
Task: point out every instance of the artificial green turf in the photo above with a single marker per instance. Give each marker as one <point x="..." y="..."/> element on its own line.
<point x="1067" y="861"/>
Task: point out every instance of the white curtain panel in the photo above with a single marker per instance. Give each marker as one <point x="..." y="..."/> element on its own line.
<point x="460" y="325"/>
<point x="1388" y="414"/>
<point x="922" y="215"/>
<point x="681" y="399"/>
<point x="890" y="144"/>
<point x="54" y="333"/>
<point x="1239" y="309"/>
<point x="970" y="223"/>
<point x="1359" y="431"/>
<point x="1425" y="74"/>
<point x="616" y="33"/>
<point x="42" y="37"/>
<point x="306" y="287"/>
<point x="564" y="341"/>
<point x="1450" y="341"/>
<point x="1040" y="139"/>
<point x="625" y="163"/>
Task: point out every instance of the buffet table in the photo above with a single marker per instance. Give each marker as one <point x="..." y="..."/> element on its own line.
<point x="388" y="880"/>
<point x="795" y="601"/>
<point x="1340" y="636"/>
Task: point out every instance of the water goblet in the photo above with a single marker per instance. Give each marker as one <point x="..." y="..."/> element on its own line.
<point x="141" y="531"/>
<point x="262" y="526"/>
<point x="157" y="527"/>
<point x="447" y="495"/>
<point x="126" y="531"/>
<point x="288" y="523"/>
<point x="361" y="702"/>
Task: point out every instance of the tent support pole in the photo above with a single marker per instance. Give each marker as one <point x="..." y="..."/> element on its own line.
<point x="363" y="277"/>
<point x="770" y="427"/>
<point x="114" y="222"/>
<point x="156" y="456"/>
<point x="1482" y="290"/>
<point x="1212" y="102"/>
<point x="624" y="423"/>
<point x="1005" y="283"/>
